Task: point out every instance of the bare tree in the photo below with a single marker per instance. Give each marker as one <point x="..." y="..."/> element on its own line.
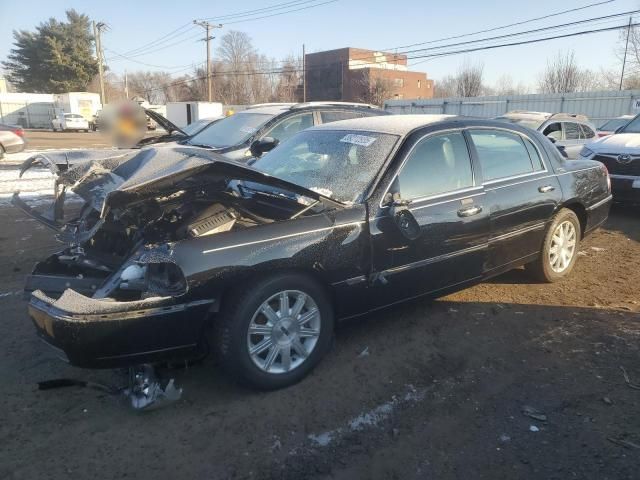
<point x="631" y="78"/>
<point x="562" y="74"/>
<point x="372" y="88"/>
<point x="506" y="86"/>
<point x="445" y="87"/>
<point x="469" y="80"/>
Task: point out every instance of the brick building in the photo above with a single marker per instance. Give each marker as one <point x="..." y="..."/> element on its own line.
<point x="355" y="75"/>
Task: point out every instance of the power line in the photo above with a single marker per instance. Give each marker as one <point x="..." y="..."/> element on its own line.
<point x="282" y="13"/>
<point x="246" y="13"/>
<point x="493" y="29"/>
<point x="526" y="32"/>
<point x="152" y="46"/>
<point x="427" y="56"/>
<point x="524" y="42"/>
<point x="129" y="57"/>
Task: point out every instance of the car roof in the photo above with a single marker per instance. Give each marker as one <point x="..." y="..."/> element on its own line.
<point x="276" y="108"/>
<point x="393" y="124"/>
<point x="544" y="116"/>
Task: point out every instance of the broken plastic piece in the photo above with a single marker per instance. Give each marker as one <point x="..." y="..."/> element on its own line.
<point x="145" y="391"/>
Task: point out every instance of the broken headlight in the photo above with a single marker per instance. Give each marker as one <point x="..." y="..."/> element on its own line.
<point x="154" y="279"/>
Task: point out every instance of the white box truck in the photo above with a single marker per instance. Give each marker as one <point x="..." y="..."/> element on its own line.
<point x="80" y="103"/>
<point x="184" y="113"/>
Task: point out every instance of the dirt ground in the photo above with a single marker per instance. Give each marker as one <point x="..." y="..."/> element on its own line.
<point x="426" y="390"/>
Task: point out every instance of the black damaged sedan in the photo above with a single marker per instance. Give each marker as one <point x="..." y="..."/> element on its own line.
<point x="173" y="247"/>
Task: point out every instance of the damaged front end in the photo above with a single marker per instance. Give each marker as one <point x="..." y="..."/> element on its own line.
<point x="117" y="296"/>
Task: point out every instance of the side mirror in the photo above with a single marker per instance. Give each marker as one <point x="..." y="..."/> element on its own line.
<point x="553" y="140"/>
<point x="263" y="145"/>
<point x="403" y="217"/>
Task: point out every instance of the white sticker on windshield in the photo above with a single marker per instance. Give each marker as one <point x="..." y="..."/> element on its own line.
<point x="361" y="140"/>
<point x="247" y="130"/>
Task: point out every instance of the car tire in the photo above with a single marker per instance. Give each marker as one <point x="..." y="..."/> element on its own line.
<point x="1" y="152"/>
<point x="243" y="310"/>
<point x="559" y="250"/>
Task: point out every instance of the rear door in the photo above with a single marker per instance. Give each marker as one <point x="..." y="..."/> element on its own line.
<point x="522" y="193"/>
<point x="447" y="201"/>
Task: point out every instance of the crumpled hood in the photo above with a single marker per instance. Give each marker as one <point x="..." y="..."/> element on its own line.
<point x="114" y="182"/>
<point x="619" y="143"/>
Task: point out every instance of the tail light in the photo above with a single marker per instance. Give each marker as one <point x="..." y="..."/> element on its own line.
<point x="603" y="134"/>
<point x="19" y="132"/>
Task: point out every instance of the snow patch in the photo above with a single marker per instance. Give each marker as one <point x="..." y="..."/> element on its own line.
<point x="371" y="418"/>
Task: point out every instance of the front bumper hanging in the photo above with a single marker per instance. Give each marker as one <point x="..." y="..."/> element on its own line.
<point x="100" y="333"/>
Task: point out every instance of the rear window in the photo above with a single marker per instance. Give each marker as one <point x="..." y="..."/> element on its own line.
<point x="502" y="154"/>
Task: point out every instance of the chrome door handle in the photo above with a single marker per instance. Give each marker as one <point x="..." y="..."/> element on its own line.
<point x="546" y="188"/>
<point x="469" y="211"/>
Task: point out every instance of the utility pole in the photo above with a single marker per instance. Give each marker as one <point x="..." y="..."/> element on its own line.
<point x="126" y="85"/>
<point x="208" y="26"/>
<point x="626" y="47"/>
<point x="97" y="30"/>
<point x="304" y="74"/>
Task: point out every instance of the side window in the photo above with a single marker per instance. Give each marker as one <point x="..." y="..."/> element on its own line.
<point x="290" y="126"/>
<point x="587" y="132"/>
<point x="571" y="131"/>
<point x="436" y="165"/>
<point x="501" y="154"/>
<point x="533" y="154"/>
<point x="553" y="130"/>
<point x="335" y="115"/>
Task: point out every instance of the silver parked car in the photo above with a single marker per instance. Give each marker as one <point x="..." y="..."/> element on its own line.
<point x="568" y="131"/>
<point x="11" y="139"/>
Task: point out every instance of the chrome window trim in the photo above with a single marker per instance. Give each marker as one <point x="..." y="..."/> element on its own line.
<point x="457" y="199"/>
<point x="446" y="194"/>
<point x="534" y="172"/>
<point x="408" y="154"/>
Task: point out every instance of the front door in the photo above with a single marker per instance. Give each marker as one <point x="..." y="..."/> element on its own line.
<point x="447" y="202"/>
<point x="521" y="194"/>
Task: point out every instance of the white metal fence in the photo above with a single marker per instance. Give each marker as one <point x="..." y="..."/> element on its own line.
<point x="598" y="106"/>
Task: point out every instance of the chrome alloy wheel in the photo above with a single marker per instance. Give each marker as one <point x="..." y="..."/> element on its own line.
<point x="563" y="246"/>
<point x="283" y="331"/>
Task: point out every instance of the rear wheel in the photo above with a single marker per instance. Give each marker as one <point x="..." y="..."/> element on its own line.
<point x="275" y="331"/>
<point x="559" y="249"/>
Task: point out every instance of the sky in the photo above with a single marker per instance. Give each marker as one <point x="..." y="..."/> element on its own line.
<point x="374" y="24"/>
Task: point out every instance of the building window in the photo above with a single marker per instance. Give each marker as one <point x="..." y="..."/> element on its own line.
<point x="428" y="85"/>
<point x="398" y="96"/>
<point x="419" y="83"/>
<point x="398" y="82"/>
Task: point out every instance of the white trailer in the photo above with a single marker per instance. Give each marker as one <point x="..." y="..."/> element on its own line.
<point x="184" y="113"/>
<point x="80" y="103"/>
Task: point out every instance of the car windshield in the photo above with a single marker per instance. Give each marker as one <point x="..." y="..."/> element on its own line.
<point x="525" y="122"/>
<point x="632" y="126"/>
<point x="231" y="131"/>
<point x="613" y="125"/>
<point x="338" y="164"/>
<point x="196" y="126"/>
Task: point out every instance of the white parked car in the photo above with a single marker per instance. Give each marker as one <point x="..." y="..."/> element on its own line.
<point x="69" y="121"/>
<point x="620" y="153"/>
<point x="568" y="131"/>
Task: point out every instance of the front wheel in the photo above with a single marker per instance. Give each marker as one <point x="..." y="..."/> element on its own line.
<point x="559" y="249"/>
<point x="274" y="332"/>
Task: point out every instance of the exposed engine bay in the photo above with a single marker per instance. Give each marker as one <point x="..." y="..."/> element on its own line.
<point x="136" y="206"/>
